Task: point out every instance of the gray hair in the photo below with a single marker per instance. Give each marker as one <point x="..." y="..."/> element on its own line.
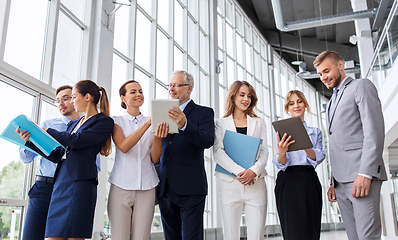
<point x="187" y="76"/>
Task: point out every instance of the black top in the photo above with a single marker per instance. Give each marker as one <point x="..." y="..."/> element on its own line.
<point x="242" y="130"/>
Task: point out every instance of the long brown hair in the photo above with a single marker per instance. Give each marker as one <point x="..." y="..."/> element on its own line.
<point x="90" y="87"/>
<point x="230" y="102"/>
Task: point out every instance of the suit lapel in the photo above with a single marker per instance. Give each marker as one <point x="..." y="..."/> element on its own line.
<point x="340" y="94"/>
<point x="251" y="125"/>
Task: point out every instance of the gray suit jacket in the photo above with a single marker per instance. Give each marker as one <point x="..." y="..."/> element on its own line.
<point x="356" y="132"/>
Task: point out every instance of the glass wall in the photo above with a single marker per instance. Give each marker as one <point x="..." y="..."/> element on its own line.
<point x="45" y="45"/>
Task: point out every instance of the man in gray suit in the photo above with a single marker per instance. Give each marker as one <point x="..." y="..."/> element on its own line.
<point x="355" y="127"/>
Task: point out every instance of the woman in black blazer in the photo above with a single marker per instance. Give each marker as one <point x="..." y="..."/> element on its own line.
<point x="72" y="206"/>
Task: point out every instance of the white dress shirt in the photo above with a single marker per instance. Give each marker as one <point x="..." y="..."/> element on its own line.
<point x="134" y="170"/>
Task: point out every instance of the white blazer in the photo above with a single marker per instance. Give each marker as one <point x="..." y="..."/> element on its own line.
<point x="256" y="128"/>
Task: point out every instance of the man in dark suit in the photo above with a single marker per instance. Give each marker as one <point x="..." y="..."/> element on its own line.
<point x="183" y="185"/>
<point x="355" y="127"/>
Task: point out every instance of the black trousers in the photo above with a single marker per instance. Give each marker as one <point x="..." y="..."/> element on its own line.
<point x="299" y="203"/>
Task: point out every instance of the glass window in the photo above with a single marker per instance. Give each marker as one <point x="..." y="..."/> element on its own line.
<point x="222" y="68"/>
<point x="178" y="24"/>
<point x="204" y="15"/>
<point x="221" y="100"/>
<point x="164" y="14"/>
<point x="220" y="6"/>
<point x="25" y="36"/>
<point x="121" y="32"/>
<point x="146" y="5"/>
<point x="239" y="49"/>
<point x="264" y="72"/>
<point x="162" y="57"/>
<point x="204" y="51"/>
<point x="192" y="39"/>
<point x="67" y="59"/>
<point x="12" y="170"/>
<point x="220" y="34"/>
<point x="230" y="71"/>
<point x="248" y="57"/>
<point x="241" y="73"/>
<point x="238" y="22"/>
<point x="229" y="35"/>
<point x="193" y="8"/>
<point x="144" y="81"/>
<point x="193" y="71"/>
<point x="77" y="7"/>
<point x="204" y="89"/>
<point x="11" y="221"/>
<point x="143" y="42"/>
<point x="161" y="92"/>
<point x="178" y="59"/>
<point x="248" y="36"/>
<point x="228" y="11"/>
<point x="119" y="76"/>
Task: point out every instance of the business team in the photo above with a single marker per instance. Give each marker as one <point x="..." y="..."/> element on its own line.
<point x="357" y="166"/>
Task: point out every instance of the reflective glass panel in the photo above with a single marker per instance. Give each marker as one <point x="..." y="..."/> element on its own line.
<point x="164" y="14"/>
<point x="119" y="76"/>
<point x="178" y="24"/>
<point x="162" y="58"/>
<point x="77" y="7"/>
<point x="143" y="42"/>
<point x="121" y="32"/>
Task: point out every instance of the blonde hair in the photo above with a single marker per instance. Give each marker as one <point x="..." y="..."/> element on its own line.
<point x="230" y="102"/>
<point x="300" y="95"/>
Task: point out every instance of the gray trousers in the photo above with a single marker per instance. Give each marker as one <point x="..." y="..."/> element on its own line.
<point x="361" y="216"/>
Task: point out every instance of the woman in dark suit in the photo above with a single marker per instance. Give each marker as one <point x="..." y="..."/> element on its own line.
<point x="71" y="211"/>
<point x="298" y="191"/>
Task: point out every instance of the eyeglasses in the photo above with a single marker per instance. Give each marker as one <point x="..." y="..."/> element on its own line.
<point x="63" y="100"/>
<point x="176" y="85"/>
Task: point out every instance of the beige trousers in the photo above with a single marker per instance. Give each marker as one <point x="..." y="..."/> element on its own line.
<point x="130" y="213"/>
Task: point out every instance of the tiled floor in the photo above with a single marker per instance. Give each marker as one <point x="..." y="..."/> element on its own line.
<point x="340" y="235"/>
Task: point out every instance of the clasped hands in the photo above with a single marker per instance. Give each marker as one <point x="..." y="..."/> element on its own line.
<point x="246" y="177"/>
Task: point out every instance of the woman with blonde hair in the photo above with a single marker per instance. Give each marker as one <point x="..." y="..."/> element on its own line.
<point x="247" y="190"/>
<point x="298" y="191"/>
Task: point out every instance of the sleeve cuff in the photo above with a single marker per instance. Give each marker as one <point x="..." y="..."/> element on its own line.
<point x="185" y="126"/>
<point x="365" y="175"/>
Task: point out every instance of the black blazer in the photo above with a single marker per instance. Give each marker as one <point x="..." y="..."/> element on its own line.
<point x="82" y="146"/>
<point x="182" y="159"/>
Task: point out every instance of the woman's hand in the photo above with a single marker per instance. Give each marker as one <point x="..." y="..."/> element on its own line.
<point x="148" y="121"/>
<point x="162" y="130"/>
<point x="283" y="146"/>
<point x="246" y="177"/>
<point x="25" y="135"/>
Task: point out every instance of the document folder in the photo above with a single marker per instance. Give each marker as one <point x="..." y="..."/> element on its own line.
<point x="241" y="148"/>
<point x="41" y="139"/>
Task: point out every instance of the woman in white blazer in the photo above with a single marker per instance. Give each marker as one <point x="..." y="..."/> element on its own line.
<point x="247" y="190"/>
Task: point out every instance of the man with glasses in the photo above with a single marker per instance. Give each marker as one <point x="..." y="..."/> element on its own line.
<point x="40" y="193"/>
<point x="183" y="184"/>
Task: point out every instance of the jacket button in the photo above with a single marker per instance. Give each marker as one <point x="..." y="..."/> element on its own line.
<point x="330" y="133"/>
<point x="170" y="142"/>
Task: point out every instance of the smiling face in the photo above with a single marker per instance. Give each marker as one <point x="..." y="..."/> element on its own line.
<point x="243" y="98"/>
<point x="65" y="105"/>
<point x="331" y="73"/>
<point x="183" y="93"/>
<point x="296" y="106"/>
<point x="134" y="96"/>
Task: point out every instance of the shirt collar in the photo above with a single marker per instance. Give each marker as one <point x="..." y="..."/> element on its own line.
<point x="182" y="106"/>
<point x="66" y="120"/>
<point x="131" y="118"/>
<point x="341" y="84"/>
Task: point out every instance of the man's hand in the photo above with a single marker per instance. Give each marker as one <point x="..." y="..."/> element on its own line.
<point x="246" y="177"/>
<point x="361" y="187"/>
<point x="177" y="116"/>
<point x="161" y="130"/>
<point x="332" y="194"/>
<point x="25" y="135"/>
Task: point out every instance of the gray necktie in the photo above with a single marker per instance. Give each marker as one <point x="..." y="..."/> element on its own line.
<point x="332" y="102"/>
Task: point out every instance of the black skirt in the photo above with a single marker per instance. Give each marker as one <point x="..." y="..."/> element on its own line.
<point x="299" y="202"/>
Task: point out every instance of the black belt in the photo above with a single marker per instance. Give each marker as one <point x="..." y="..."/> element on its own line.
<point x="45" y="179"/>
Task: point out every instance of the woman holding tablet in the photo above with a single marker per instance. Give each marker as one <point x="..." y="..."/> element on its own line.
<point x="247" y="190"/>
<point x="298" y="191"/>
<point x="133" y="179"/>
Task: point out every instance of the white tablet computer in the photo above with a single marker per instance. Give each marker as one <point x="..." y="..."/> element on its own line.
<point x="295" y="127"/>
<point x="159" y="113"/>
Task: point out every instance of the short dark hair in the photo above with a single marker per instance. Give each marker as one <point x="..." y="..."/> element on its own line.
<point x="62" y="88"/>
<point x="327" y="54"/>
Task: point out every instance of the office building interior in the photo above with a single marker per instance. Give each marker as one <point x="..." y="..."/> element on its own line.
<point x="269" y="43"/>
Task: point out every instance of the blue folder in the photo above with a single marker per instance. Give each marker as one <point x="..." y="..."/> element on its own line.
<point x="42" y="140"/>
<point x="241" y="148"/>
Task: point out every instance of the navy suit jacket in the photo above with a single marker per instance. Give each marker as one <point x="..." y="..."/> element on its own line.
<point x="82" y="146"/>
<point x="182" y="160"/>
